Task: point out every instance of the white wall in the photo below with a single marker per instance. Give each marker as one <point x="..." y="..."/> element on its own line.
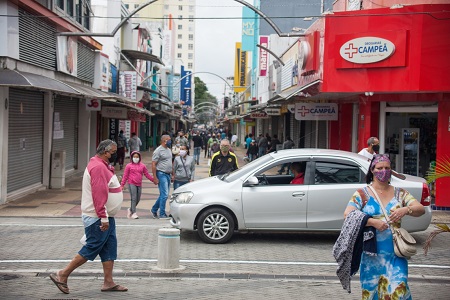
<point x="9" y="30"/>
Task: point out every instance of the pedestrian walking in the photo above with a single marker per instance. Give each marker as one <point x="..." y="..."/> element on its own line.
<point x="101" y="199"/>
<point x="248" y="140"/>
<point x="383" y="274"/>
<point x="121" y="149"/>
<point x="223" y="161"/>
<point x="373" y="147"/>
<point x="198" y="145"/>
<point x="252" y="151"/>
<point x="234" y="138"/>
<point x="288" y="144"/>
<point x="133" y="175"/>
<point x="181" y="139"/>
<point x="134" y="142"/>
<point x="273" y="144"/>
<point x="206" y="138"/>
<point x="162" y="173"/>
<point x="211" y="142"/>
<point x="262" y="145"/>
<point x="183" y="168"/>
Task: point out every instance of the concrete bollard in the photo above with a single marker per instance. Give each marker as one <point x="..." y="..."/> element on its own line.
<point x="169" y="250"/>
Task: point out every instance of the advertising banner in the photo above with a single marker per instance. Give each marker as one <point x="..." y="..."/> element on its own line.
<point x="67" y="52"/>
<point x="316" y="111"/>
<point x="114" y="112"/>
<point x="128" y="84"/>
<point x="187" y="87"/>
<point x="248" y="29"/>
<point x="240" y="69"/>
<point x="263" y="55"/>
<point x="101" y="76"/>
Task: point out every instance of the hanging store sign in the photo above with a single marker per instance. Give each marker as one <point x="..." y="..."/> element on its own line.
<point x="93" y="105"/>
<point x="316" y="111"/>
<point x="263" y="55"/>
<point x="366" y="50"/>
<point x="114" y="112"/>
<point x="273" y="111"/>
<point x="259" y="115"/>
<point x="67" y="55"/>
<point x="136" y="116"/>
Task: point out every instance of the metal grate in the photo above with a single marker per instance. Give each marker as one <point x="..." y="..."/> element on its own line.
<point x="25" y="139"/>
<point x="86" y="65"/>
<point x="37" y="41"/>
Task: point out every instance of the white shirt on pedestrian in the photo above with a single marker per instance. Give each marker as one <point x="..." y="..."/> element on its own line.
<point x="366" y="153"/>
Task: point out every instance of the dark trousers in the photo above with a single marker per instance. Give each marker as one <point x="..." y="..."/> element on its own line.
<point x="120" y="155"/>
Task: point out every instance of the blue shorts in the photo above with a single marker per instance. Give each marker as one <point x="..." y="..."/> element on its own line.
<point x="103" y="243"/>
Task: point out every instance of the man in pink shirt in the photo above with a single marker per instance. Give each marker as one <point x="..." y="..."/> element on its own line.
<point x="101" y="199"/>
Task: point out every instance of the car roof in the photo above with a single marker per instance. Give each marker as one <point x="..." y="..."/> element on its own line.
<point x="320" y="152"/>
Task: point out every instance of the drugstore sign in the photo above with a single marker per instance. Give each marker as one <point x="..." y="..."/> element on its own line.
<point x="366" y="50"/>
<point x="316" y="111"/>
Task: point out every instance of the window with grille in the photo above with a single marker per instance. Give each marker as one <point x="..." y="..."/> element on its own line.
<point x="180" y="26"/>
<point x="190" y="65"/>
<point x="191" y="37"/>
<point x="191" y="47"/>
<point x="180" y="46"/>
<point x="179" y="55"/>
<point x="180" y="7"/>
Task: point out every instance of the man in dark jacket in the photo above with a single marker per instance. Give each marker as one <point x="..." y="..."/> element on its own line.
<point x="223" y="161"/>
<point x="198" y="145"/>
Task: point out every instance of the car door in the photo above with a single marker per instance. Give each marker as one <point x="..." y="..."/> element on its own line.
<point x="275" y="203"/>
<point x="335" y="181"/>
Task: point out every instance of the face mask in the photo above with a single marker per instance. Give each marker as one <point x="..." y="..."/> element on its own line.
<point x="136" y="160"/>
<point x="224" y="148"/>
<point x="113" y="157"/>
<point x="183" y="153"/>
<point x="169" y="143"/>
<point x="383" y="175"/>
<point x="376" y="148"/>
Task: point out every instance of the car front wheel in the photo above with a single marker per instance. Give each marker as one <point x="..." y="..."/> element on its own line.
<point x="215" y="226"/>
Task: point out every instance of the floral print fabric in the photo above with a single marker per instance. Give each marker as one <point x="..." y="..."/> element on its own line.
<point x="385" y="276"/>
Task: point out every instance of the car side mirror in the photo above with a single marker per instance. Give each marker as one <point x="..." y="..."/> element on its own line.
<point x="252" y="181"/>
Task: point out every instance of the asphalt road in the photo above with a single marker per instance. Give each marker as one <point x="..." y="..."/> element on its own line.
<point x="251" y="266"/>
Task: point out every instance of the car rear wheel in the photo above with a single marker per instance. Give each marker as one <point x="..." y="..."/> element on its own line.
<point x="215" y="226"/>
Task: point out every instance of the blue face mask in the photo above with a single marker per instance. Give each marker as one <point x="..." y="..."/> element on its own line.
<point x="169" y="143"/>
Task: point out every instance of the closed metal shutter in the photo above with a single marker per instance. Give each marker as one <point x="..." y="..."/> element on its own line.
<point x="68" y="116"/>
<point x="37" y="41"/>
<point x="25" y="139"/>
<point x="310" y="134"/>
<point x="85" y="65"/>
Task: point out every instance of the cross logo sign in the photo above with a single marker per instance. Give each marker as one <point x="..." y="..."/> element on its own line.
<point x="350" y="50"/>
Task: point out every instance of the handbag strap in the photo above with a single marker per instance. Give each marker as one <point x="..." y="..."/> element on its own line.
<point x="184" y="166"/>
<point x="382" y="207"/>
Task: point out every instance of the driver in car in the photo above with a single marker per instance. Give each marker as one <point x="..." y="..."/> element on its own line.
<point x="223" y="161"/>
<point x="298" y="169"/>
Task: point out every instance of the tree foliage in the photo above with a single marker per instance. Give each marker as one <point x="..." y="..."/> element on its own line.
<point x="203" y="96"/>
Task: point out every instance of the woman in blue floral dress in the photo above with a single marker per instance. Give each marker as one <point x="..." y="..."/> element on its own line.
<point x="384" y="276"/>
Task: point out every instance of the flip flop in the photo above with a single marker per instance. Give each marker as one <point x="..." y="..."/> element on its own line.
<point x="62" y="286"/>
<point x="116" y="288"/>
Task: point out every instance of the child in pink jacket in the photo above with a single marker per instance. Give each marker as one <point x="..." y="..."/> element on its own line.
<point x="133" y="174"/>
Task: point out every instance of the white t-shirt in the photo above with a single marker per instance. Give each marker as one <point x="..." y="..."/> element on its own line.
<point x="366" y="153"/>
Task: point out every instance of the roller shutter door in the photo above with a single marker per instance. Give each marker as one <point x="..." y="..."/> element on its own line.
<point x="67" y="109"/>
<point x="295" y="131"/>
<point x="25" y="139"/>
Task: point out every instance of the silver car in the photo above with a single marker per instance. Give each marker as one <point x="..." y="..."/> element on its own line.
<point x="259" y="196"/>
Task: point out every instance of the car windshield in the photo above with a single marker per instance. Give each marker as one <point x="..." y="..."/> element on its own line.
<point x="242" y="170"/>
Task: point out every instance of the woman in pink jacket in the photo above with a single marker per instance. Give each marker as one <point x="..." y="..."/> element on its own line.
<point x="133" y="174"/>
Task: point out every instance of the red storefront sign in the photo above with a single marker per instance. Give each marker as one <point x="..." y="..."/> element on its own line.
<point x="259" y="115"/>
<point x="263" y="41"/>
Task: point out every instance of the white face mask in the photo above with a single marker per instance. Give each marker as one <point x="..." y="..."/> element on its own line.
<point x="183" y="153"/>
<point x="135" y="160"/>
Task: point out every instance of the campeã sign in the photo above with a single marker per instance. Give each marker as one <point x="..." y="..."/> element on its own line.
<point x="316" y="111"/>
<point x="366" y="50"/>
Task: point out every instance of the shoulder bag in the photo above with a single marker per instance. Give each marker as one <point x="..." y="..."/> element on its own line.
<point x="404" y="243"/>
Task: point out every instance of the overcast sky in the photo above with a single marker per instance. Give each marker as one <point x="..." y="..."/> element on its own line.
<point x="215" y="42"/>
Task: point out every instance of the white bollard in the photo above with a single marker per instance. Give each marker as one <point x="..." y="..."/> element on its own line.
<point x="169" y="250"/>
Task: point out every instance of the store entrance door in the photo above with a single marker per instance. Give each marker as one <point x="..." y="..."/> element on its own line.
<point x="411" y="141"/>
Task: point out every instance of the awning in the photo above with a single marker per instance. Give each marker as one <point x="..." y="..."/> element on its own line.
<point x="149" y="90"/>
<point x="260" y="106"/>
<point x="134" y="54"/>
<point x="295" y="91"/>
<point x="87" y="91"/>
<point x="14" y="78"/>
<point x="161" y="101"/>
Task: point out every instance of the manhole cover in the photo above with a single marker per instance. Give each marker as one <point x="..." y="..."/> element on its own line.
<point x="9" y="276"/>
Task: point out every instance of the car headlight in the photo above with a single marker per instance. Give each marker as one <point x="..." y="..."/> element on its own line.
<point x="182" y="197"/>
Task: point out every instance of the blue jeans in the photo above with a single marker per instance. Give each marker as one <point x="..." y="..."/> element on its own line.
<point x="262" y="151"/>
<point x="197" y="154"/>
<point x="103" y="243"/>
<point x="163" y="186"/>
<point x="177" y="184"/>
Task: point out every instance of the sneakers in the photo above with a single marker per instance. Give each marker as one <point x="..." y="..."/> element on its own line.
<point x="154" y="215"/>
<point x="129" y="214"/>
<point x="164" y="217"/>
<point x="134" y="216"/>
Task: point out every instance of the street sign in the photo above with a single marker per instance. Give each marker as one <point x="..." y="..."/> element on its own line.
<point x="273" y="111"/>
